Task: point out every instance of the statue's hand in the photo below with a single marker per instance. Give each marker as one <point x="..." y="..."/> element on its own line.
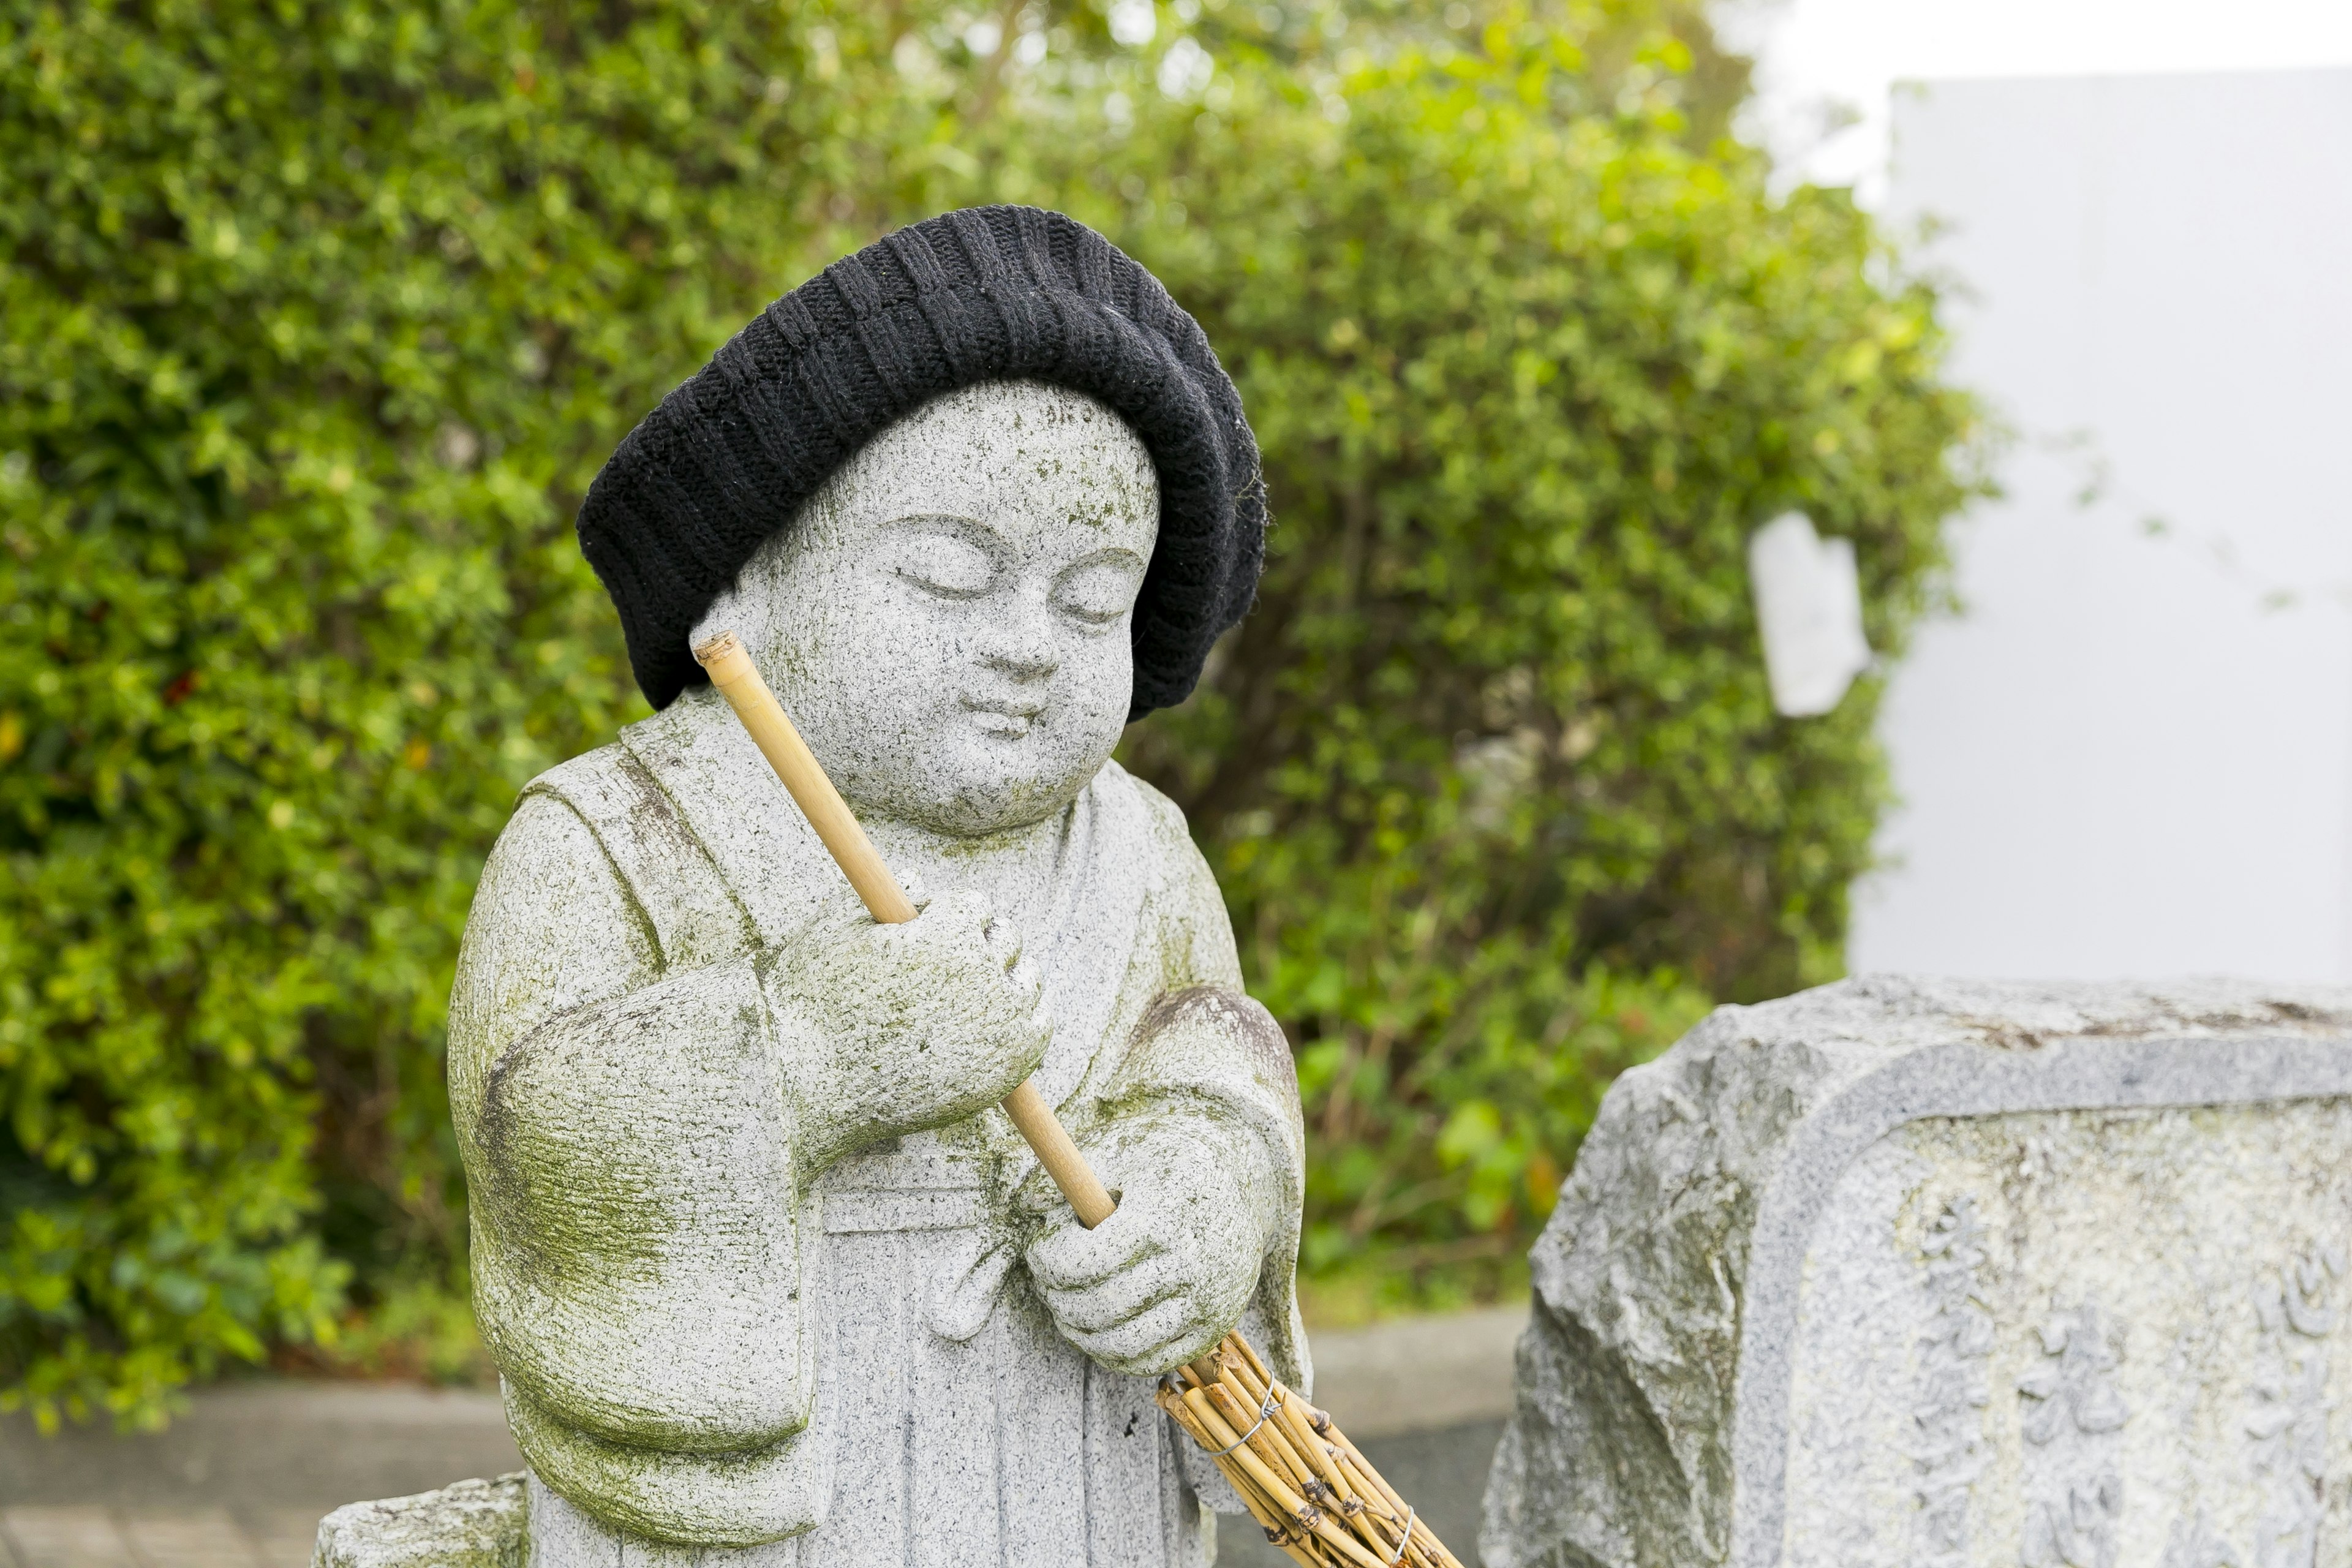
<point x="915" y="1025"/>
<point x="1167" y="1274"/>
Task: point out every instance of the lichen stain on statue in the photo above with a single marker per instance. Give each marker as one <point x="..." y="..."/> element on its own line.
<point x="757" y="1257"/>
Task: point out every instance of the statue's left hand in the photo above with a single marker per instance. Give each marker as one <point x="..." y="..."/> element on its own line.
<point x="1167" y="1274"/>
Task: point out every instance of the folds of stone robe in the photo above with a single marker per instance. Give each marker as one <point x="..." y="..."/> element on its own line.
<point x="669" y="1286"/>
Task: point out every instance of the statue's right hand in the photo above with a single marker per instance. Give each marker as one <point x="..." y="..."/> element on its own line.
<point x="919" y="1024"/>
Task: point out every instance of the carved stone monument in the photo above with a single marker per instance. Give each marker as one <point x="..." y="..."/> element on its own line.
<point x="770" y="1280"/>
<point x="1922" y="1275"/>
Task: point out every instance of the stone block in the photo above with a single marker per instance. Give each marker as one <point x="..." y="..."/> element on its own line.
<point x="1931" y="1274"/>
<point x="473" y="1524"/>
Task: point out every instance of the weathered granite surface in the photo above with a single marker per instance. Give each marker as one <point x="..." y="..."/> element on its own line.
<point x="473" y="1524"/>
<point x="1910" y="1272"/>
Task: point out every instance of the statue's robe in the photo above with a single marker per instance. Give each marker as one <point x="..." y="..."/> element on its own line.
<point x="704" y="1341"/>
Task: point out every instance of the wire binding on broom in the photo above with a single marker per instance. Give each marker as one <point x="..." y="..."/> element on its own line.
<point x="1308" y="1487"/>
<point x="1407" y="1536"/>
<point x="1264" y="1413"/>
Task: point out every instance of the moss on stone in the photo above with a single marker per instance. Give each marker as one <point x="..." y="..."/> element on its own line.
<point x="473" y="1524"/>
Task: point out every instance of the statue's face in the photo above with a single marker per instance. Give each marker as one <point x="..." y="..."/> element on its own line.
<point x="946" y="621"/>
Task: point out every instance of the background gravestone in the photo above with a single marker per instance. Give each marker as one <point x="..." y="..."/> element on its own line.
<point x="1902" y="1272"/>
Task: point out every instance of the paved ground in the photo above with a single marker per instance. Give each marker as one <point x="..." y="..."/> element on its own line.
<point x="40" y="1537"/>
<point x="241" y="1481"/>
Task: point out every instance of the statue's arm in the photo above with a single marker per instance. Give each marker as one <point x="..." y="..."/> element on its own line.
<point x="1205" y="1048"/>
<point x="628" y="1138"/>
<point x="1208" y="1051"/>
<point x="552" y="929"/>
<point x="637" y="1136"/>
<point x="1198" y="1129"/>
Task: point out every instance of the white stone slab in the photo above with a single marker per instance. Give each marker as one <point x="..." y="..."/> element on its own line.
<point x="1901" y="1272"/>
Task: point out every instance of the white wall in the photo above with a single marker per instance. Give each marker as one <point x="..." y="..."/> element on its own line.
<point x="1824" y="67"/>
<point x="2132" y="755"/>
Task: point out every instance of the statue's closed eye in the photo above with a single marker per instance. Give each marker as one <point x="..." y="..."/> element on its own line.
<point x="1100" y="590"/>
<point x="949" y="566"/>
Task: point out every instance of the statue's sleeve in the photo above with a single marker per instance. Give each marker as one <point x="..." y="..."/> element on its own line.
<point x="1203" y="1040"/>
<point x="1206" y="1050"/>
<point x="627" y="1135"/>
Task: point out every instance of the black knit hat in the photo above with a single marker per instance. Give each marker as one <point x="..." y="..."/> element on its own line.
<point x="984" y="294"/>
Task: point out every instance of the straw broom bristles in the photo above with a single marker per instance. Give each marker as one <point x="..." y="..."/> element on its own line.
<point x="1311" y="1490"/>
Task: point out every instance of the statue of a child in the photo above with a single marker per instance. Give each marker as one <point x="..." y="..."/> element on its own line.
<point x="761" y="1263"/>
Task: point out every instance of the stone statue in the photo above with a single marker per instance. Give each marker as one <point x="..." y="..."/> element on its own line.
<point x="766" y="1271"/>
<point x="764" y="1267"/>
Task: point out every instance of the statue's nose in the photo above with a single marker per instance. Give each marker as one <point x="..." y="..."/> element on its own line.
<point x="1021" y="657"/>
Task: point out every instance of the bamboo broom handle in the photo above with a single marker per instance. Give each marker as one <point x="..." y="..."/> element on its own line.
<point x="738" y="680"/>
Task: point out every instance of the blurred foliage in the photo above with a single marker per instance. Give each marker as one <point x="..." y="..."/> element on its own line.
<point x="315" y="321"/>
<point x="1492" y="778"/>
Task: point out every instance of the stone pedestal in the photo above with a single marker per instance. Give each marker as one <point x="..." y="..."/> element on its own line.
<point x="473" y="1524"/>
<point x="1908" y="1273"/>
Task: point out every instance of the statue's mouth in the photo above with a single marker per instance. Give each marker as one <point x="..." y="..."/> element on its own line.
<point x="1006" y="719"/>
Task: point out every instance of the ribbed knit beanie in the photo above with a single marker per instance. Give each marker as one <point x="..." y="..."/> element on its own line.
<point x="984" y="294"/>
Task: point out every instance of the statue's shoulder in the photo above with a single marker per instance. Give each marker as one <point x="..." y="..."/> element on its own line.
<point x="624" y="808"/>
<point x="1158" y="821"/>
<point x="1161" y="816"/>
<point x="585" y="782"/>
<point x="1181" y="881"/>
<point x="616" y="789"/>
<point x="667" y="869"/>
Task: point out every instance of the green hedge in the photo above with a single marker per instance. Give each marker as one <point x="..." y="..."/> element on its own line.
<point x="1492" y="778"/>
<point x="314" y="321"/>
